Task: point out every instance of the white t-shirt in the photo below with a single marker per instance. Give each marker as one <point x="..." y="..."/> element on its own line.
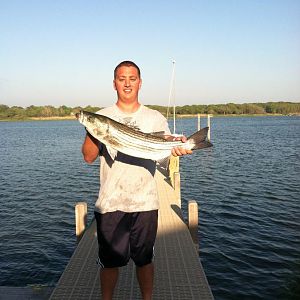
<point x="127" y="183"/>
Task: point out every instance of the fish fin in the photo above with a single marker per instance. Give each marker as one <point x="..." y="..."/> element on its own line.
<point x="112" y="152"/>
<point x="164" y="162"/>
<point x="198" y="140"/>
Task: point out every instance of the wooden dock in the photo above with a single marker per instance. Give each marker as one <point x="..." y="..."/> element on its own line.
<point x="178" y="270"/>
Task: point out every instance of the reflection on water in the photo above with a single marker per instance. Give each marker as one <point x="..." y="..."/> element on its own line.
<point x="247" y="187"/>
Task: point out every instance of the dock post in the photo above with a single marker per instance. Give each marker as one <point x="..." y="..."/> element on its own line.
<point x="80" y="218"/>
<point x="193" y="222"/>
<point x="208" y="124"/>
<point x="173" y="168"/>
<point x="199" y="126"/>
<point x="177" y="188"/>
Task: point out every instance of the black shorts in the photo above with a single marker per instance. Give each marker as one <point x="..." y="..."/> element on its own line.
<point x="122" y="236"/>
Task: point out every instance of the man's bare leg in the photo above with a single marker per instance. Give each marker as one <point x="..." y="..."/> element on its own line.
<point x="145" y="276"/>
<point x="108" y="280"/>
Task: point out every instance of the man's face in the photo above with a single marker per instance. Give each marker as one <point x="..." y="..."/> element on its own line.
<point x="127" y="83"/>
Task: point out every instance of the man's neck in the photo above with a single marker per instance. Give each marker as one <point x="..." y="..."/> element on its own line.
<point x="128" y="107"/>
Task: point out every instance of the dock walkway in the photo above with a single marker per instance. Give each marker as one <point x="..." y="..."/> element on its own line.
<point x="178" y="270"/>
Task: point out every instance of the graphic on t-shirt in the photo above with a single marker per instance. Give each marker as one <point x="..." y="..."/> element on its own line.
<point x="128" y="122"/>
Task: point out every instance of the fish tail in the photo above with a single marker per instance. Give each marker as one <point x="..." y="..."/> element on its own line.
<point x="198" y="140"/>
<point x="164" y="162"/>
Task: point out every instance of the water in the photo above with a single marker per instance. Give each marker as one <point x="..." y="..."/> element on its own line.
<point x="247" y="187"/>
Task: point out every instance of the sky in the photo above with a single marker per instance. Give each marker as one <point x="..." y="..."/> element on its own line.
<point x="63" y="52"/>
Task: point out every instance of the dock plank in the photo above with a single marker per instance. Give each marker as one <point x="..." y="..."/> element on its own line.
<point x="178" y="270"/>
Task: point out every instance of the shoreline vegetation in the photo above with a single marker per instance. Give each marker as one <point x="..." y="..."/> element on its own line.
<point x="17" y="113"/>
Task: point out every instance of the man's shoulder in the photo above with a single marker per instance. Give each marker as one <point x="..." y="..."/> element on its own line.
<point x="106" y="111"/>
<point x="151" y="111"/>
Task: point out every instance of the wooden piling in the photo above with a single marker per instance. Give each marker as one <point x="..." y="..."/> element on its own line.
<point x="208" y="124"/>
<point x="199" y="126"/>
<point x="177" y="188"/>
<point x="193" y="221"/>
<point x="173" y="168"/>
<point x="80" y="219"/>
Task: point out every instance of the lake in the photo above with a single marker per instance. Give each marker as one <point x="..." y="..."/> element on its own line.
<point x="247" y="187"/>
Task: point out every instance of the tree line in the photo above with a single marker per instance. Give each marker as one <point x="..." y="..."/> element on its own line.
<point x="48" y="111"/>
<point x="282" y="108"/>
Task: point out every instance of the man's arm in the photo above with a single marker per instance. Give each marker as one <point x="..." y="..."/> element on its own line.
<point x="90" y="148"/>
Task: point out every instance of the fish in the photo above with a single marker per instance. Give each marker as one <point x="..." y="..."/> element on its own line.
<point x="134" y="142"/>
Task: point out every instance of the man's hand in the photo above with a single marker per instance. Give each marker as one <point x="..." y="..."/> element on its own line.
<point x="179" y="151"/>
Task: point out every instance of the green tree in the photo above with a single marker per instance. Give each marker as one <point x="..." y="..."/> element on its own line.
<point x="3" y="111"/>
<point x="92" y="109"/>
<point x="34" y="111"/>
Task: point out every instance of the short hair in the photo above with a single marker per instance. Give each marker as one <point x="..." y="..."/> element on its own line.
<point x="126" y="63"/>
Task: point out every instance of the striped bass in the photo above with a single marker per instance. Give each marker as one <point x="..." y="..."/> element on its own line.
<point x="136" y="143"/>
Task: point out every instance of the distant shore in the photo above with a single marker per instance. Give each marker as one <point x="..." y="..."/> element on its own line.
<point x="233" y="115"/>
<point x="52" y="118"/>
<point x="48" y="112"/>
<point x="38" y="119"/>
<point x="57" y="118"/>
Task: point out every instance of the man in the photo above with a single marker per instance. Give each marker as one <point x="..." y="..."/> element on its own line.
<point x="127" y="207"/>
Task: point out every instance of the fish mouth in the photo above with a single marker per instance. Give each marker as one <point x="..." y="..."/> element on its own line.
<point x="78" y="115"/>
